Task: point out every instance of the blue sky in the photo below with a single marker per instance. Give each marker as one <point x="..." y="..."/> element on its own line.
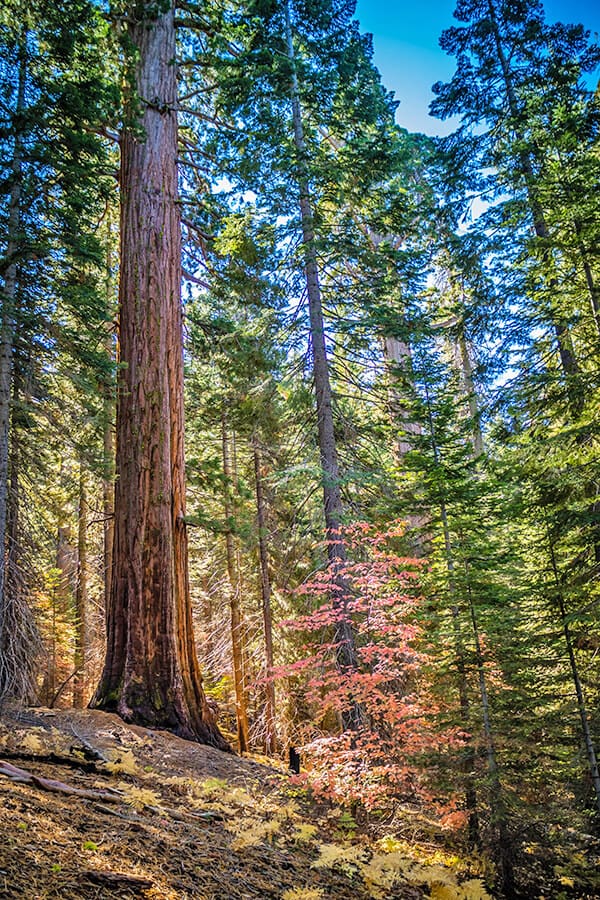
<point x="405" y="38"/>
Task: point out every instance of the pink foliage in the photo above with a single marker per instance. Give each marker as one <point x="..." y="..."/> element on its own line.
<point x="382" y="762"/>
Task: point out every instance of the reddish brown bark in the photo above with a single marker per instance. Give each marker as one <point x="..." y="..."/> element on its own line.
<point x="151" y="674"/>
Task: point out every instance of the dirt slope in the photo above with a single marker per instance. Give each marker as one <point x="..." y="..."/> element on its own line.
<point x="158" y="817"/>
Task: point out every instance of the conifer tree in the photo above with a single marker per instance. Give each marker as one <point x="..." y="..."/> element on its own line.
<point x="151" y="673"/>
<point x="56" y="180"/>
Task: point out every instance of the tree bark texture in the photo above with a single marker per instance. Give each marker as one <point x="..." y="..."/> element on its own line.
<point x="499" y="814"/>
<point x="9" y="678"/>
<point x="108" y="450"/>
<point x="151" y="674"/>
<point x="459" y="649"/>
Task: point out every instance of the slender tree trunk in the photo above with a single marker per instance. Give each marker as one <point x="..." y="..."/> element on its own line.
<point x="471" y="394"/>
<point x="207" y="617"/>
<point x="245" y="628"/>
<point x="593" y="291"/>
<point x="590" y="748"/>
<point x="62" y="605"/>
<point x="14" y="577"/>
<point x="463" y="694"/>
<point x="237" y="636"/>
<point x="18" y="656"/>
<point x="108" y="501"/>
<point x="108" y="452"/>
<point x="151" y="674"/>
<point x="9" y="679"/>
<point x="498" y="810"/>
<point x="265" y="586"/>
<point x="79" y="681"/>
<point x="569" y="364"/>
<point x="397" y="357"/>
<point x="347" y="658"/>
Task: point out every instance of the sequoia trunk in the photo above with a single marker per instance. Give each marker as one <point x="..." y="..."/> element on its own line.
<point x="151" y="674"/>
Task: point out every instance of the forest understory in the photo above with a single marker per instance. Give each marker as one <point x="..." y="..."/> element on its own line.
<point x="299" y="421"/>
<point x="167" y="818"/>
<point x="92" y="807"/>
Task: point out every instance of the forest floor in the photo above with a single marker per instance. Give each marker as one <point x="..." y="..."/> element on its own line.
<point x="93" y="808"/>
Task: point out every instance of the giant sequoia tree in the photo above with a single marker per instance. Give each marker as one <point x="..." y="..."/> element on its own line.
<point x="151" y="673"/>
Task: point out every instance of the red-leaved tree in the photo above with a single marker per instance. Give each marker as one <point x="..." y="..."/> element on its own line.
<point x="387" y="759"/>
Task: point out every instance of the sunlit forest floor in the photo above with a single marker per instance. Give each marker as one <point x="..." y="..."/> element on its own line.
<point x="92" y="807"/>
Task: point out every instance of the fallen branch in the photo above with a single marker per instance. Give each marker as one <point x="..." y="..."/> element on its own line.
<point x="21" y="776"/>
<point x="117" y="879"/>
<point x="89" y="750"/>
<point x="52" y="758"/>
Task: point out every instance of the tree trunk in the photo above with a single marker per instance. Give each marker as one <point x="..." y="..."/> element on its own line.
<point x="466" y="369"/>
<point x="568" y="360"/>
<point x="593" y="291"/>
<point x="19" y="653"/>
<point x="465" y="712"/>
<point x="397" y="356"/>
<point x="237" y="634"/>
<point x="108" y="451"/>
<point x="151" y="674"/>
<point x="347" y="659"/>
<point x="586" y="731"/>
<point x="504" y="852"/>
<point x="9" y="679"/>
<point x="265" y="586"/>
<point x="79" y="662"/>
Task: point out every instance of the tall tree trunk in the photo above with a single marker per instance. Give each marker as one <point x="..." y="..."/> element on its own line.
<point x="499" y="813"/>
<point x="568" y="360"/>
<point x="79" y="681"/>
<point x="245" y="627"/>
<point x="151" y="674"/>
<point x="9" y="678"/>
<point x="347" y="659"/>
<point x="19" y="654"/>
<point x="233" y="572"/>
<point x="63" y="597"/>
<point x="586" y="731"/>
<point x="397" y="357"/>
<point x="466" y="369"/>
<point x="459" y="650"/>
<point x="108" y="450"/>
<point x="265" y="588"/>
<point x="593" y="290"/>
<point x="468" y="762"/>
